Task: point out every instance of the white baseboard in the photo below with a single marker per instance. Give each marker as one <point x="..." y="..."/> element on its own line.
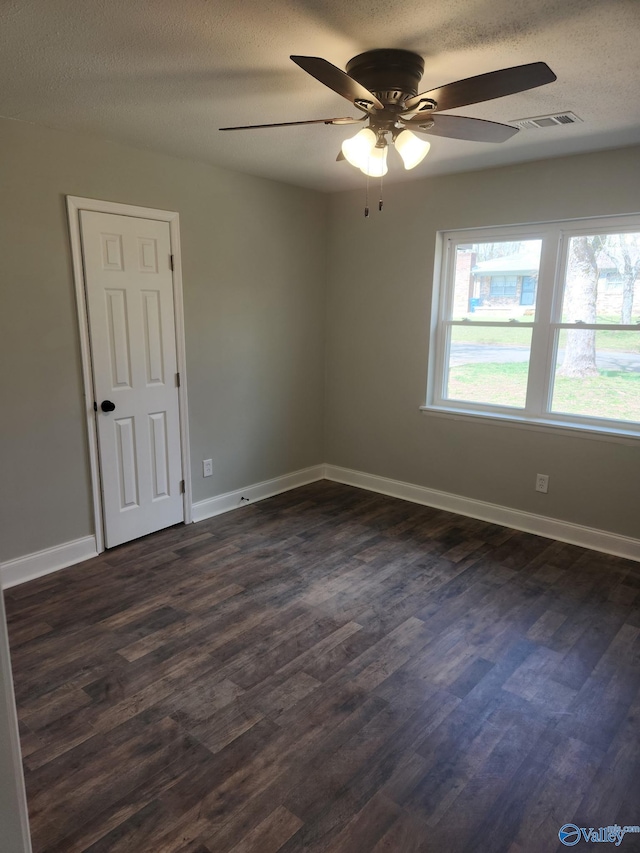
<point x="551" y="528"/>
<point x="44" y="562"/>
<point x="259" y="491"/>
<point x="49" y="560"/>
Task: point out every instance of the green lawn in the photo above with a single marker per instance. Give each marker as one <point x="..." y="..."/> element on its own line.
<point x="612" y="394"/>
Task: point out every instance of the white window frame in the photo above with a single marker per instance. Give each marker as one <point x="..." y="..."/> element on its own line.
<point x="545" y="326"/>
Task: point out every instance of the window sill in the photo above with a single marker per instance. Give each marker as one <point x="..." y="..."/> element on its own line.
<point x="620" y="436"/>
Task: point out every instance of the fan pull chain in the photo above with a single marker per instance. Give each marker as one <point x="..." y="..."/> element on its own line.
<point x="366" y="199"/>
<point x="380" y="202"/>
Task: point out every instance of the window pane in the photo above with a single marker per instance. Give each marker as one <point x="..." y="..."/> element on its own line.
<point x="496" y="281"/>
<point x="598" y="374"/>
<point x="503" y="285"/>
<point x="602" y="283"/>
<point x="489" y="365"/>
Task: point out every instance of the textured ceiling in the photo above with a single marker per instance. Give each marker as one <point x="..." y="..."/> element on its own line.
<point x="165" y="74"/>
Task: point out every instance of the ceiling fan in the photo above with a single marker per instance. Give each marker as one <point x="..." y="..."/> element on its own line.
<point x="383" y="85"/>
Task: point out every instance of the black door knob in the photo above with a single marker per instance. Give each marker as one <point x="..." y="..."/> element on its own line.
<point x="107" y="406"/>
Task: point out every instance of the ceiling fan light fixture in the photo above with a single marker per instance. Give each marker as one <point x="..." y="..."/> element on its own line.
<point x="411" y="148"/>
<point x="376" y="164"/>
<point x="358" y="149"/>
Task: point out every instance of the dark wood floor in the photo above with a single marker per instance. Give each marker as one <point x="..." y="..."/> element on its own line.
<point x="330" y="670"/>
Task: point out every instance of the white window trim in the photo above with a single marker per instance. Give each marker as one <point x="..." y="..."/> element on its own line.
<point x="535" y="415"/>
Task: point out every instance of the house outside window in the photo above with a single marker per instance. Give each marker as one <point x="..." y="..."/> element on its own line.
<point x="505" y="281"/>
<point x="540" y="324"/>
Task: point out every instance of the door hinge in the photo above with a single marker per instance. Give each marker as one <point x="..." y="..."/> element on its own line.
<point x="177" y="380"/>
<point x="182" y="487"/>
<point x="171" y="261"/>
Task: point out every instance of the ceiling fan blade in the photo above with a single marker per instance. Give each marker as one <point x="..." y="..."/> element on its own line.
<point x="484" y="87"/>
<point x="339" y="81"/>
<point x="461" y="127"/>
<point x="345" y="120"/>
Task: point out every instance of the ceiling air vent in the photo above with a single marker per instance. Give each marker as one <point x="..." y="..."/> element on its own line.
<point x="536" y="122"/>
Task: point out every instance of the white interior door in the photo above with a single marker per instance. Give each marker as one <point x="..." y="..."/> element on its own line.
<point x="129" y="289"/>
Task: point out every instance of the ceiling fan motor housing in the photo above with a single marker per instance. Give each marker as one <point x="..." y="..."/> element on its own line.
<point x="392" y="75"/>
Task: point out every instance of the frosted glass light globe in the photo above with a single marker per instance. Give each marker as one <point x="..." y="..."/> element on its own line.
<point x="357" y="149"/>
<point x="412" y="149"/>
<point x="376" y="164"/>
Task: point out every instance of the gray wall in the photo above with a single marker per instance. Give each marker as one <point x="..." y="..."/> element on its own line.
<point x="13" y="810"/>
<point x="380" y="277"/>
<point x="254" y="255"/>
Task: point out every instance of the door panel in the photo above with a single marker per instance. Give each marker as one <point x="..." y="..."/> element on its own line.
<point x="119" y="348"/>
<point x="159" y="454"/>
<point x="129" y="287"/>
<point x="126" y="462"/>
<point x="153" y="337"/>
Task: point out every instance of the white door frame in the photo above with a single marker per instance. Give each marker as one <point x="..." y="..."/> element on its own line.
<point x="74" y="205"/>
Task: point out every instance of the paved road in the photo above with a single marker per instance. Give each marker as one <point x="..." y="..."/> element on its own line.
<point x="474" y="353"/>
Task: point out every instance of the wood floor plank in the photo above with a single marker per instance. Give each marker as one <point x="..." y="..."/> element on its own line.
<point x="329" y="671"/>
<point x="367" y="826"/>
<point x="407" y="834"/>
<point x="552" y="783"/>
<point x="271" y="834"/>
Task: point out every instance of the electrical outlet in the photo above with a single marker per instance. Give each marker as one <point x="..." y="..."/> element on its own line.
<point x="542" y="483"/>
<point x="207" y="468"/>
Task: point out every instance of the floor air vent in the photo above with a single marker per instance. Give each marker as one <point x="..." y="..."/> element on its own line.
<point x="536" y="122"/>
